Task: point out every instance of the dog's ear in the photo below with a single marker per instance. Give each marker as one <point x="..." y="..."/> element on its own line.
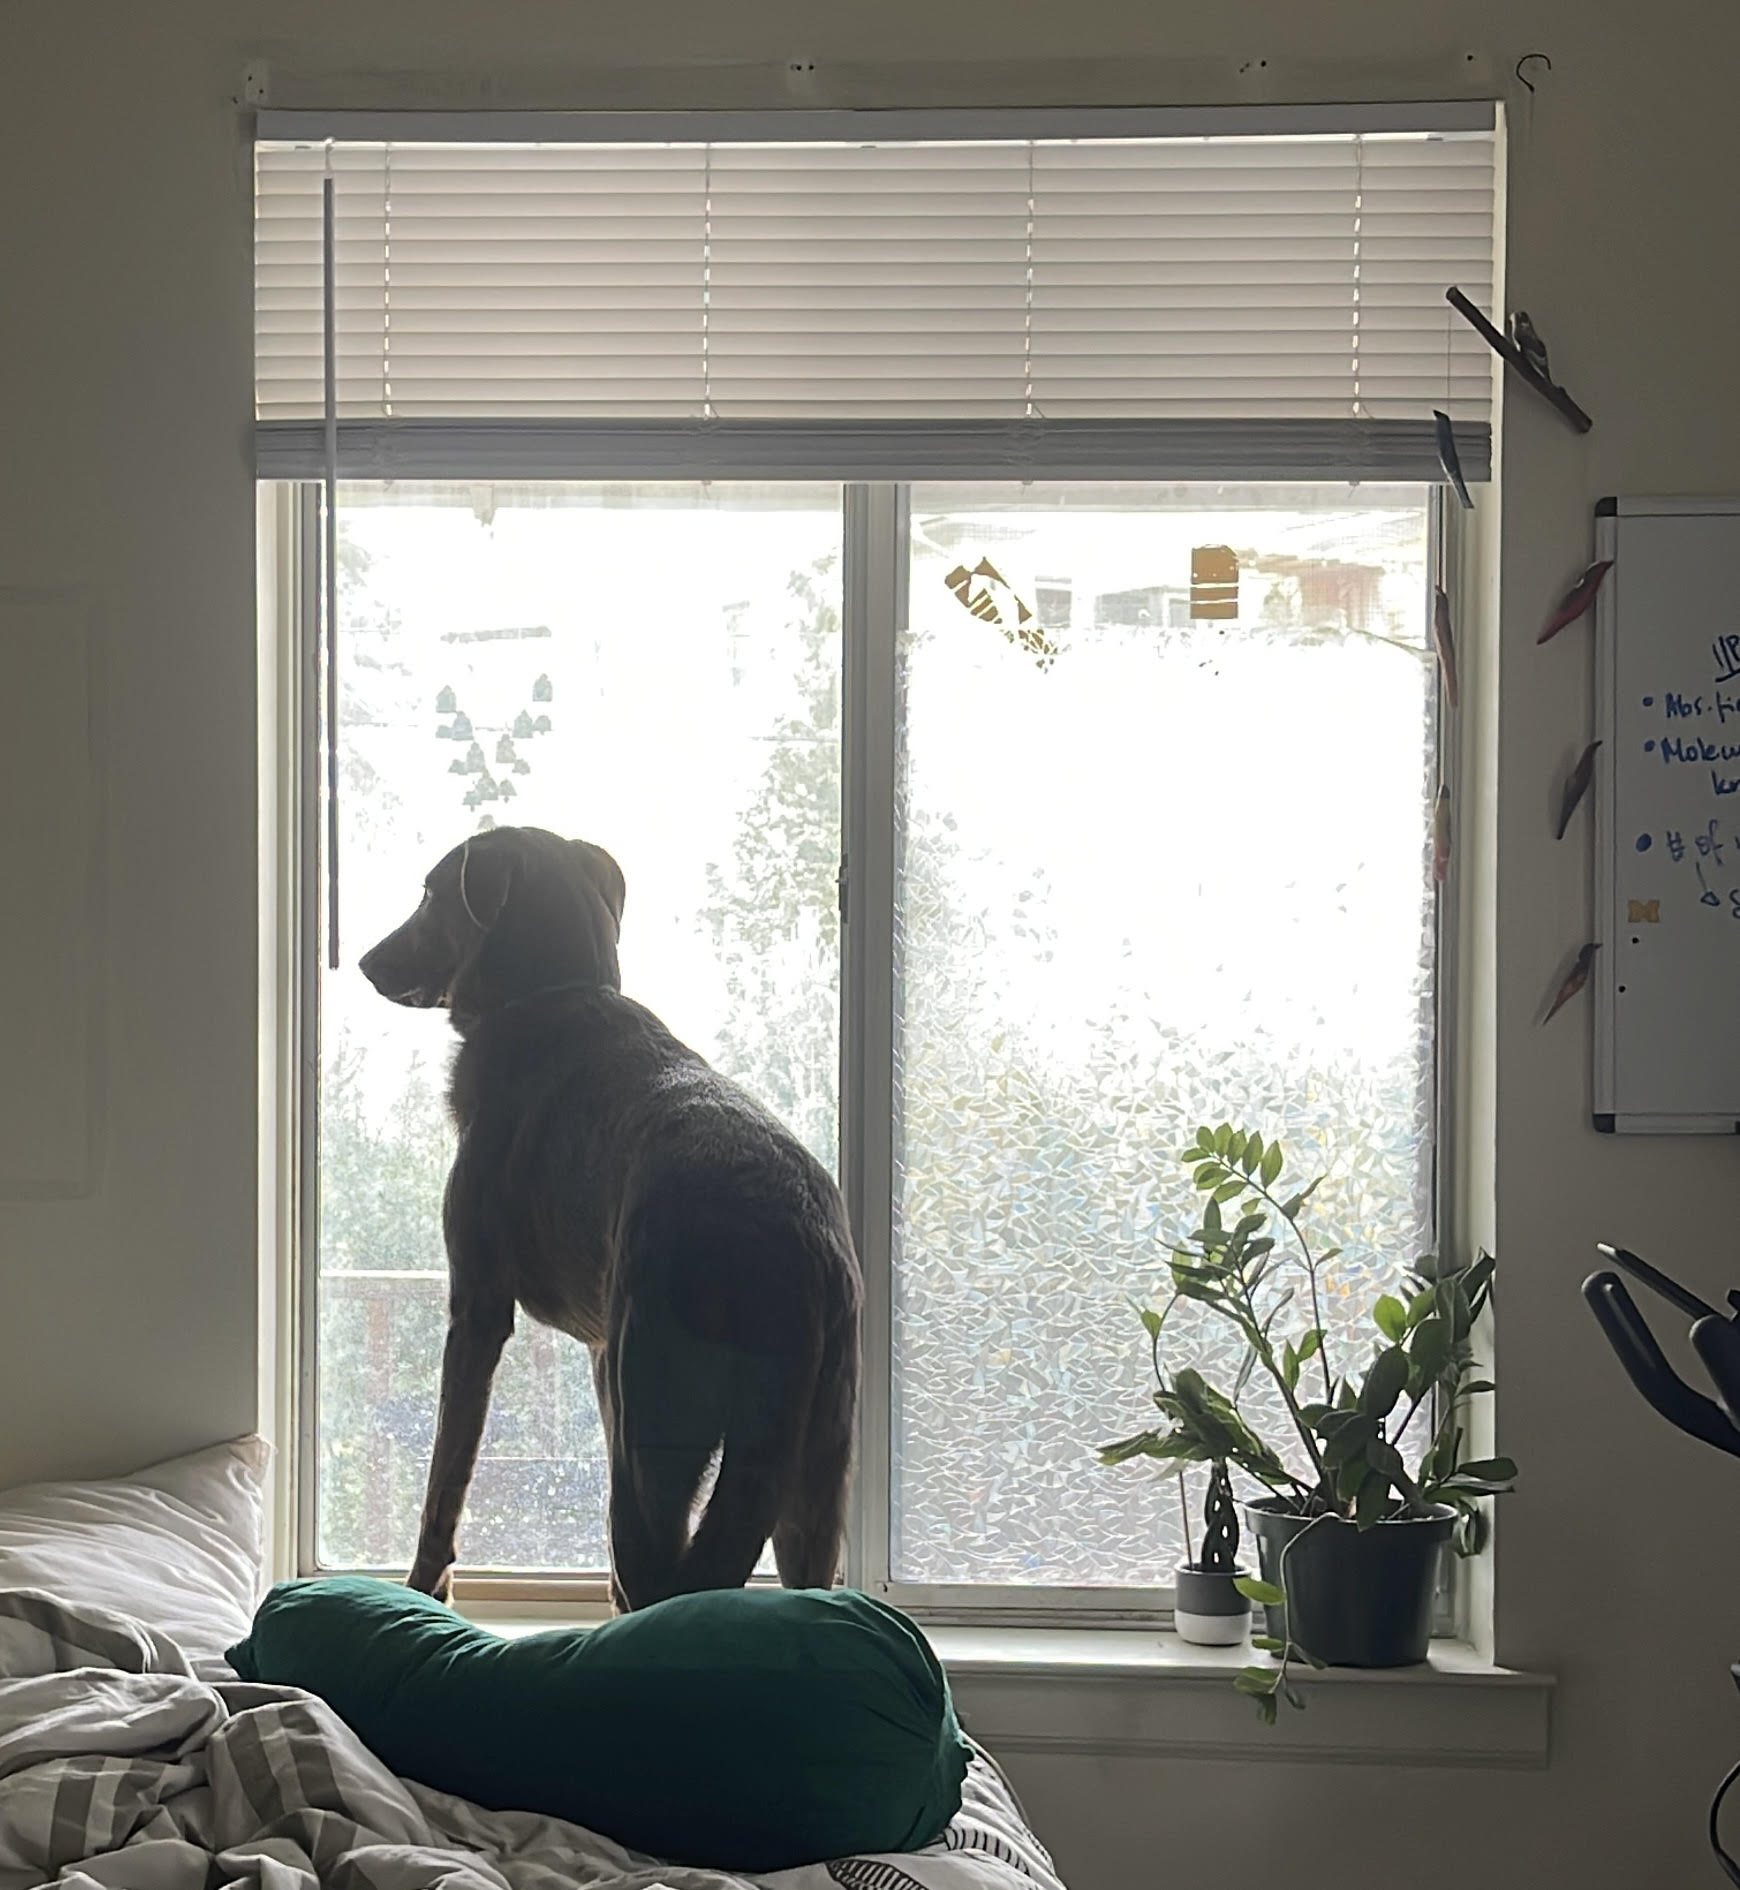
<point x="605" y="875"/>
<point x="542" y="923"/>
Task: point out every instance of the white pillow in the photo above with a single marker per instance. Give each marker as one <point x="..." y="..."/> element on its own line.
<point x="177" y="1546"/>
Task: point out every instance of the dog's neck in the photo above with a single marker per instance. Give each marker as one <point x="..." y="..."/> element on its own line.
<point x="554" y="990"/>
<point x="466" y="1023"/>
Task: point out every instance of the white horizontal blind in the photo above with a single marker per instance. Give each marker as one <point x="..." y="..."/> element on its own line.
<point x="289" y="334"/>
<point x="857" y="281"/>
<point x="486" y="282"/>
<point x="1262" y="278"/>
<point x="1096" y="291"/>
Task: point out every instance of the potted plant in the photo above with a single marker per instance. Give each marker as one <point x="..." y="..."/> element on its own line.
<point x="1349" y="1536"/>
<point x="1210" y="1609"/>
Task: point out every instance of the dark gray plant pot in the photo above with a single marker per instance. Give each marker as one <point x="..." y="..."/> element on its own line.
<point x="1207" y="1610"/>
<point x="1356" y="1599"/>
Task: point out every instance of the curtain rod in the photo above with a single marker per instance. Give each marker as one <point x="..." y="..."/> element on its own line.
<point x="1448" y="116"/>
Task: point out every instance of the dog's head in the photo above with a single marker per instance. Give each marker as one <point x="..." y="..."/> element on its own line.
<point x="512" y="912"/>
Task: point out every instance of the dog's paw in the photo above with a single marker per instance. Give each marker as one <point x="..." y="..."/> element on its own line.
<point x="437" y="1584"/>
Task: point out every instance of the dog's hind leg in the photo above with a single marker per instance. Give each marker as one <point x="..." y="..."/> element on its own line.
<point x="478" y="1327"/>
<point x="652" y="1493"/>
<point x="811" y="1531"/>
<point x="657" y="1462"/>
<point x="741" y="1512"/>
<point x="661" y="1442"/>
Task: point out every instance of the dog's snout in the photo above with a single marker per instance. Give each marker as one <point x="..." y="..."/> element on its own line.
<point x="369" y="964"/>
<point x="396" y="968"/>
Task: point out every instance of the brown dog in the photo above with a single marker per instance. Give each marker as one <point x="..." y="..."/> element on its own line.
<point x="618" y="1188"/>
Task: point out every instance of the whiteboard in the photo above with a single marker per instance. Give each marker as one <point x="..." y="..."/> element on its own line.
<point x="1666" y="980"/>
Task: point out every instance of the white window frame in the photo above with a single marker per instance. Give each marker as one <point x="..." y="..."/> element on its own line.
<point x="875" y="564"/>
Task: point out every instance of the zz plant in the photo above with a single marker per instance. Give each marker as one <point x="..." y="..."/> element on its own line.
<point x="1368" y="1440"/>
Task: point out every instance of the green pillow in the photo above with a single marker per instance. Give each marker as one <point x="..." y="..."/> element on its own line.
<point x="750" y="1729"/>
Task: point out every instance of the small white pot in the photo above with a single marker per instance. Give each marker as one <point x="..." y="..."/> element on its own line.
<point x="1207" y="1610"/>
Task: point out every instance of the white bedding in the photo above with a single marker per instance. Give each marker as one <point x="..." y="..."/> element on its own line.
<point x="119" y="1768"/>
<point x="176" y="1545"/>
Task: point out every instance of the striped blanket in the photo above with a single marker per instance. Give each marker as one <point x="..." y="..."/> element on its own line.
<point x="120" y="1769"/>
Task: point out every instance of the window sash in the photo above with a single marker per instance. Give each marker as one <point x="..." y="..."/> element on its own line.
<point x="876" y="553"/>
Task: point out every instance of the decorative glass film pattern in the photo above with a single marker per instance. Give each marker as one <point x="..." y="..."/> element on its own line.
<point x="655" y="669"/>
<point x="1167" y="761"/>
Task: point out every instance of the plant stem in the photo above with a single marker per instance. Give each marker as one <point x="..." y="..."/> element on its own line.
<point x="1265" y="1352"/>
<point x="1259" y="1187"/>
<point x="1401" y="1429"/>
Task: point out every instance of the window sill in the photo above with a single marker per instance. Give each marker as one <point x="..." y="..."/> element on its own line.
<point x="1114" y="1692"/>
<point x="1141" y="1692"/>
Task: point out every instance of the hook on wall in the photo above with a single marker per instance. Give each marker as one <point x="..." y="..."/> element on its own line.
<point x="1522" y="77"/>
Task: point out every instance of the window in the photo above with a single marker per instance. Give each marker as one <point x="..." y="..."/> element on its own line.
<point x="980" y="423"/>
<point x="665" y="674"/>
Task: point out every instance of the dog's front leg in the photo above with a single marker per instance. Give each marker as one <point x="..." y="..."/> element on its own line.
<point x="478" y="1326"/>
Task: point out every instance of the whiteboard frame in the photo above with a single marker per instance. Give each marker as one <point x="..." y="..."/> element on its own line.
<point x="1608" y="1118"/>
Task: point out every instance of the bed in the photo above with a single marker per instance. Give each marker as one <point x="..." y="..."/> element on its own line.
<point x="133" y="1758"/>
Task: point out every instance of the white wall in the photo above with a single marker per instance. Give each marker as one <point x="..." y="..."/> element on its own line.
<point x="128" y="1319"/>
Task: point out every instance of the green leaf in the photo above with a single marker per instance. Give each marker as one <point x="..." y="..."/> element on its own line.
<point x="1374" y="1502"/>
<point x="1489" y="1470"/>
<point x="1194" y="1283"/>
<point x="1461" y="1312"/>
<point x="1264" y="1593"/>
<point x="1143" y="1444"/>
<point x="1350" y="1479"/>
<point x="1230" y="1189"/>
<point x="1422" y="1305"/>
<point x="1440" y="1460"/>
<point x="1391" y="1317"/>
<point x="1152" y="1321"/>
<point x="1259" y="1682"/>
<point x="1350" y="1440"/>
<point x="1291" y="1206"/>
<point x="1471" y="1532"/>
<point x="1475" y="1387"/>
<point x="1267" y="1644"/>
<point x="1272" y="1164"/>
<point x="1290" y="1366"/>
<point x="1251" y="1157"/>
<point x="1223" y="1139"/>
<point x="1311" y="1344"/>
<point x="1430" y="1347"/>
<point x="1209" y="1175"/>
<point x="1384" y="1382"/>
